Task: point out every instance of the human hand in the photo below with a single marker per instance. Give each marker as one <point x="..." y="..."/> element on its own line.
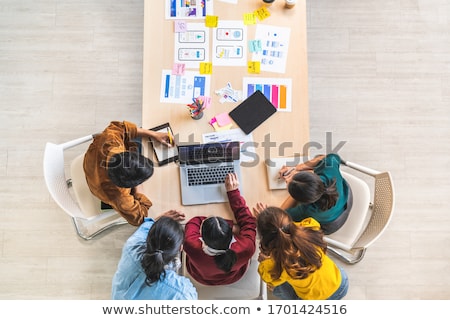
<point x="163" y="137"/>
<point x="286" y="173"/>
<point x="174" y="214"/>
<point x="259" y="207"/>
<point x="138" y="189"/>
<point x="231" y="182"/>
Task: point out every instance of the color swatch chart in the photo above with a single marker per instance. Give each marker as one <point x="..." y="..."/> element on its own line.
<point x="276" y="90"/>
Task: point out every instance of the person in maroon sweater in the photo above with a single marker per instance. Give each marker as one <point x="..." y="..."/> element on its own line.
<point x="218" y="253"/>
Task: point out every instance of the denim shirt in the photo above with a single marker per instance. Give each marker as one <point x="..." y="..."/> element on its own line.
<point x="129" y="280"/>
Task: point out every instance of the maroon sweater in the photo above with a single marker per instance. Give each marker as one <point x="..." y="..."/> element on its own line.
<point x="201" y="266"/>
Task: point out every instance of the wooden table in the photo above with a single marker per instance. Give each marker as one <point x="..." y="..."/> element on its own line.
<point x="290" y="128"/>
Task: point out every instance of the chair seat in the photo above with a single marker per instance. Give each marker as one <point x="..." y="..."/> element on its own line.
<point x="349" y="233"/>
<point x="88" y="203"/>
<point x="249" y="287"/>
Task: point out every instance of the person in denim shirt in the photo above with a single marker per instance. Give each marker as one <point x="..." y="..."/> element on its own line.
<point x="150" y="259"/>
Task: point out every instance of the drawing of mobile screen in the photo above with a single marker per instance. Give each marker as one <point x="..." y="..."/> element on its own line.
<point x="192" y="36"/>
<point x="191" y="54"/>
<point x="229" y="34"/>
<point x="229" y="52"/>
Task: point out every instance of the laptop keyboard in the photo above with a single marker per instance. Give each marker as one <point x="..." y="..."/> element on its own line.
<point x="208" y="175"/>
<point x="215" y="152"/>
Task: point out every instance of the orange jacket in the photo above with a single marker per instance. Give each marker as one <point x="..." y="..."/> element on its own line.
<point x="117" y="137"/>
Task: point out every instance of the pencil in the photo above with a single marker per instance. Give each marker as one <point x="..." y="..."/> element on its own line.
<point x="170" y="136"/>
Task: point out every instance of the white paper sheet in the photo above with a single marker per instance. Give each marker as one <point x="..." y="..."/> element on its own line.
<point x="275" y="45"/>
<point x="182" y="88"/>
<point x="229" y="44"/>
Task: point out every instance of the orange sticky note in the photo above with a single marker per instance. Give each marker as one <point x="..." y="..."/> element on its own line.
<point x="211" y="21"/>
<point x="249" y="18"/>
<point x="205" y="67"/>
<point x="254" y="67"/>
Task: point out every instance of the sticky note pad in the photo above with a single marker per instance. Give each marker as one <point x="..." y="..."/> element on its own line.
<point x="254" y="67"/>
<point x="180" y="26"/>
<point x="178" y="69"/>
<point x="262" y="13"/>
<point x="223" y="119"/>
<point x="205" y="68"/>
<point x="211" y="21"/>
<point x="255" y="46"/>
<point x="249" y="18"/>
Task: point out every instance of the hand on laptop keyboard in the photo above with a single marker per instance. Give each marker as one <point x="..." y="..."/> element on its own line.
<point x="231" y="182"/>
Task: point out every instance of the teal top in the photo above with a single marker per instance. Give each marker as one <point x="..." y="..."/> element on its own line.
<point x="327" y="169"/>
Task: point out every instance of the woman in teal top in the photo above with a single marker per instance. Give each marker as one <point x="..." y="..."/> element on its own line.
<point x="317" y="190"/>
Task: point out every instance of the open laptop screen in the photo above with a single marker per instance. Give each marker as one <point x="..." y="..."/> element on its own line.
<point x="209" y="152"/>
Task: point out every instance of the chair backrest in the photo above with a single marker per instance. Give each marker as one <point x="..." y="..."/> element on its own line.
<point x="349" y="233"/>
<point x="383" y="207"/>
<point x="249" y="287"/>
<point x="82" y="204"/>
<point x="55" y="179"/>
<point x="369" y="216"/>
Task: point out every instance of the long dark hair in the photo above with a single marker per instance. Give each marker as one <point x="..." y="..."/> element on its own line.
<point x="129" y="169"/>
<point x="307" y="187"/>
<point x="217" y="234"/>
<point x="296" y="249"/>
<point x="164" y="242"/>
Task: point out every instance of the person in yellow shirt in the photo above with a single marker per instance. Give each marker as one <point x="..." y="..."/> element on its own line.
<point x="293" y="260"/>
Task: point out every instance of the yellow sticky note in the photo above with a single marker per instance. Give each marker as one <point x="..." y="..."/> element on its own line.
<point x="211" y="21"/>
<point x="219" y="128"/>
<point x="205" y="67"/>
<point x="254" y="67"/>
<point x="249" y="18"/>
<point x="262" y="13"/>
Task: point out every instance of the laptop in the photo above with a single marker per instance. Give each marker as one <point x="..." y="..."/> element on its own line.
<point x="203" y="168"/>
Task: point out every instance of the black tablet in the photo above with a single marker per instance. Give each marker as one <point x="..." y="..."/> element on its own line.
<point x="252" y="112"/>
<point x="163" y="153"/>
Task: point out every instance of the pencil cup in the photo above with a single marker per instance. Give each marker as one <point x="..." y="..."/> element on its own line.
<point x="289" y="3"/>
<point x="197" y="116"/>
<point x="268" y="2"/>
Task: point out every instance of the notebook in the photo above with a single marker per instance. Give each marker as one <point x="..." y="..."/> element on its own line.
<point x="163" y="153"/>
<point x="203" y="168"/>
<point x="273" y="166"/>
<point x="252" y="112"/>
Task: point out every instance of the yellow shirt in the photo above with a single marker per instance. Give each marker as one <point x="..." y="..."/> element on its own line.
<point x="319" y="285"/>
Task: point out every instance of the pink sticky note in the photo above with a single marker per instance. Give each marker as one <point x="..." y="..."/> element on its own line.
<point x="223" y="119"/>
<point x="206" y="101"/>
<point x="180" y="26"/>
<point x="178" y="69"/>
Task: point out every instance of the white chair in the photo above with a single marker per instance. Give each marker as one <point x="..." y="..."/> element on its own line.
<point x="72" y="193"/>
<point x="249" y="287"/>
<point x="369" y="216"/>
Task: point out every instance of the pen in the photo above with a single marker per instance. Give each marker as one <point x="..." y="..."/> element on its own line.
<point x="170" y="136"/>
<point x="287" y="173"/>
